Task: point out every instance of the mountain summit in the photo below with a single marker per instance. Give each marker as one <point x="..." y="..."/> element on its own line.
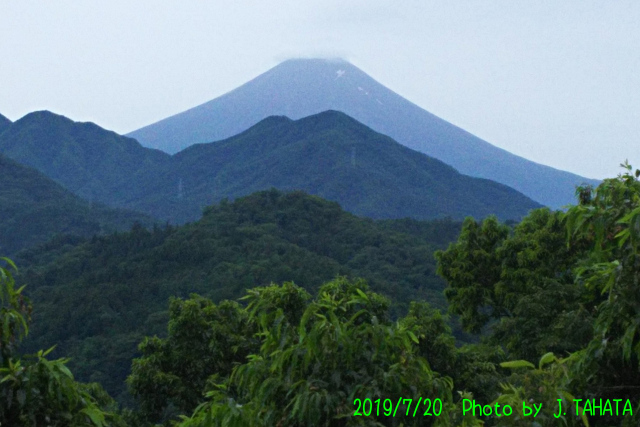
<point x="92" y="162"/>
<point x="333" y="156"/>
<point x="302" y="87"/>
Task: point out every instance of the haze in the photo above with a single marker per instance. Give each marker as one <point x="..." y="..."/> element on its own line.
<point x="554" y="82"/>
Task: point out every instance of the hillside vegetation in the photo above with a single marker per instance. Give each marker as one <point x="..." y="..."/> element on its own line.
<point x="329" y="155"/>
<point x="97" y="299"/>
<point x="33" y="209"/>
<point x="555" y="297"/>
<point x="91" y="162"/>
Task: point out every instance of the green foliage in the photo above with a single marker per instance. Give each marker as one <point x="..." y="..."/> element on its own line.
<point x="34" y="209"/>
<point x="542" y="385"/>
<point x="205" y="342"/>
<point x="544" y="310"/>
<point x="608" y="218"/>
<point x="98" y="298"/>
<point x="287" y="301"/>
<point x="436" y="344"/>
<point x="309" y="370"/>
<point x="559" y="284"/>
<point x="33" y="389"/>
<point x="471" y="267"/>
<point x="523" y="281"/>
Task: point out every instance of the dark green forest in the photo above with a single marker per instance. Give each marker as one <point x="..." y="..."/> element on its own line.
<point x="34" y="209"/>
<point x="97" y="298"/>
<point x="329" y="155"/>
<point x="280" y="309"/>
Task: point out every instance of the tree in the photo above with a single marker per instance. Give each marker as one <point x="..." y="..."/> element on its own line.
<point x="33" y="389"/>
<point x="472" y="268"/>
<point x="312" y="367"/>
<point x="521" y="283"/>
<point x="608" y="218"/>
<point x="205" y="342"/>
<point x="560" y="291"/>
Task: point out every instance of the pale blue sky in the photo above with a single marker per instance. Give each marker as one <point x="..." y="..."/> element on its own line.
<point x="557" y="82"/>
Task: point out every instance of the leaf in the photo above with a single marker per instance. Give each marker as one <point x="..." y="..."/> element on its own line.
<point x="97" y="416"/>
<point x="627" y="340"/>
<point x="21" y="396"/>
<point x="64" y="369"/>
<point x="546" y="359"/>
<point x="515" y="364"/>
<point x="362" y="294"/>
<point x="11" y="263"/>
<point x="49" y="350"/>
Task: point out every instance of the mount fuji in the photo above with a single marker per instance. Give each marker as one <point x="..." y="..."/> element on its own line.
<point x="302" y="87"/>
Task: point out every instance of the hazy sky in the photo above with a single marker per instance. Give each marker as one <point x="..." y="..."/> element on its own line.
<point x="557" y="82"/>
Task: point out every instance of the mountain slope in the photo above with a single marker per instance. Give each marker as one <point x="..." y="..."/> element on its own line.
<point x="91" y="162"/>
<point x="4" y="123"/>
<point x="329" y="154"/>
<point x="335" y="157"/>
<point x="98" y="299"/>
<point x="302" y="87"/>
<point x="33" y="209"/>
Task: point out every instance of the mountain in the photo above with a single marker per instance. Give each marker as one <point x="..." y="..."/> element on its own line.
<point x="303" y="87"/>
<point x="335" y="157"/>
<point x="4" y="123"/>
<point x="96" y="300"/>
<point x="91" y="162"/>
<point x="33" y="209"/>
<point x="328" y="154"/>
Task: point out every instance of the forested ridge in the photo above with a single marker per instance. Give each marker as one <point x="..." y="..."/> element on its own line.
<point x="87" y="160"/>
<point x="33" y="209"/>
<point x="555" y="298"/>
<point x="329" y="154"/>
<point x="97" y="298"/>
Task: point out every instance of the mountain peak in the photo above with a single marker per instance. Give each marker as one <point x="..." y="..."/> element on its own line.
<point x="333" y="118"/>
<point x="316" y="61"/>
<point x="295" y="88"/>
<point x="332" y="155"/>
<point x="323" y="120"/>
<point x="81" y="156"/>
<point x="44" y="116"/>
<point x="62" y="126"/>
<point x="317" y="64"/>
<point x="316" y="70"/>
<point x="298" y="88"/>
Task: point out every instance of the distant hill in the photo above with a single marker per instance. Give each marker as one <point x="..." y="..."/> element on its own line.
<point x="33" y="209"/>
<point x="337" y="158"/>
<point x="4" y="123"/>
<point x="96" y="300"/>
<point x="329" y="154"/>
<point x="93" y="163"/>
<point x="303" y="87"/>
